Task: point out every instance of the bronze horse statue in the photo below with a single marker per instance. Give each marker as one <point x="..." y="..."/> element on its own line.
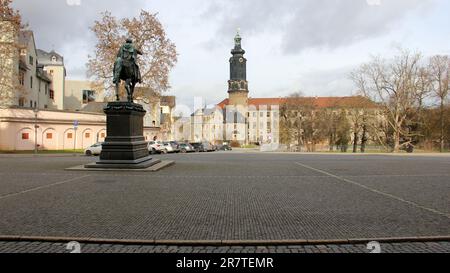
<point x="126" y="69"/>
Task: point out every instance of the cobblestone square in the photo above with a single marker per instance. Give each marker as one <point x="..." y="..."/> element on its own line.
<point x="230" y="196"/>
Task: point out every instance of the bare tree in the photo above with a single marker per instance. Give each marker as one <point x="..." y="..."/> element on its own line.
<point x="440" y="72"/>
<point x="310" y="118"/>
<point x="291" y="120"/>
<point x="159" y="52"/>
<point x="10" y="26"/>
<point x="356" y="117"/>
<point x="343" y="131"/>
<point x="393" y="84"/>
<point x="423" y="90"/>
<point x="362" y="115"/>
<point x="327" y="122"/>
<point x="300" y="121"/>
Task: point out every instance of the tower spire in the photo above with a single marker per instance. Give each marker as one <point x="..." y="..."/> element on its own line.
<point x="237" y="39"/>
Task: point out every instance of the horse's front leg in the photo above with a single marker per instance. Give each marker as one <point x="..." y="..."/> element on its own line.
<point x="133" y="84"/>
<point x="128" y="88"/>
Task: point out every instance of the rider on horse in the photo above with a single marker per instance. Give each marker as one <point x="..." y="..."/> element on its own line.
<point x="126" y="58"/>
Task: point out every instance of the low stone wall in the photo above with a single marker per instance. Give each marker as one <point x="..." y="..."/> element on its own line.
<point x="53" y="130"/>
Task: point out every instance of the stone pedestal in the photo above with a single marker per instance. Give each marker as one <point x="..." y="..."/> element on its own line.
<point x="125" y="146"/>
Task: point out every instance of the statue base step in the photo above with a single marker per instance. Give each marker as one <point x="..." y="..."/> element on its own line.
<point x="141" y="163"/>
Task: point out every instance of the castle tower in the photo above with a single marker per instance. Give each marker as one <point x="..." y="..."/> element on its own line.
<point x="236" y="114"/>
<point x="238" y="85"/>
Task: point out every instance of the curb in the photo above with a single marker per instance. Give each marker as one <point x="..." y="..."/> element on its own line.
<point x="224" y="242"/>
<point x="41" y="155"/>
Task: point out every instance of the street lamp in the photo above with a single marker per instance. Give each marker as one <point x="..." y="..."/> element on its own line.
<point x="35" y="110"/>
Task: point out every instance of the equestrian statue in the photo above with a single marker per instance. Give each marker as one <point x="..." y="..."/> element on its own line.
<point x="126" y="69"/>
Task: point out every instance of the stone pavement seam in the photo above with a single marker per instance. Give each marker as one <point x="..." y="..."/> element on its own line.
<point x="224" y="243"/>
<point x="376" y="191"/>
<point x="232" y="176"/>
<point x="42" y="187"/>
<point x="60" y="247"/>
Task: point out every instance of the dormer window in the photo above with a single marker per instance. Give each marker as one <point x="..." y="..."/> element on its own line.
<point x="53" y="59"/>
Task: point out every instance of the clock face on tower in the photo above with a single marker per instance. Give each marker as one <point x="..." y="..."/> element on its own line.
<point x="241" y="60"/>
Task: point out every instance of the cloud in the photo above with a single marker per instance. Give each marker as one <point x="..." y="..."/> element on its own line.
<point x="327" y="82"/>
<point x="312" y="23"/>
<point x="291" y="45"/>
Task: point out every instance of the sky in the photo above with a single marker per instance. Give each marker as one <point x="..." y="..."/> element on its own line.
<point x="292" y="45"/>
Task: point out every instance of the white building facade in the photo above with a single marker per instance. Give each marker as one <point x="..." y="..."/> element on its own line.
<point x="41" y="109"/>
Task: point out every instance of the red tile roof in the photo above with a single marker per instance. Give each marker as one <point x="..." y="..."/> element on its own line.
<point x="320" y="102"/>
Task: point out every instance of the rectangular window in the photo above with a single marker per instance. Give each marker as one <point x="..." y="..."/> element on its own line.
<point x="31" y="60"/>
<point x="22" y="78"/>
<point x="49" y="136"/>
<point x="21" y="102"/>
<point x="87" y="135"/>
<point x="52" y="94"/>
<point x="88" y="96"/>
<point x="31" y="82"/>
<point x="69" y="135"/>
<point x="102" y="135"/>
<point x="51" y="72"/>
<point x="25" y="136"/>
<point x="261" y="114"/>
<point x="31" y="104"/>
<point x="254" y="114"/>
<point x="268" y="114"/>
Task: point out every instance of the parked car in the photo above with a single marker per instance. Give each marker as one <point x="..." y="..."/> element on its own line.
<point x="186" y="148"/>
<point x="224" y="147"/>
<point x="176" y="146"/>
<point x="156" y="147"/>
<point x="95" y="149"/>
<point x="208" y="147"/>
<point x="198" y="147"/>
<point x="171" y="147"/>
